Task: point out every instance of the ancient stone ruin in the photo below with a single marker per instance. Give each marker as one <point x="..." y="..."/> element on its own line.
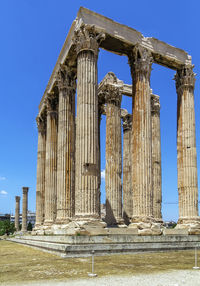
<point x="68" y="166"/>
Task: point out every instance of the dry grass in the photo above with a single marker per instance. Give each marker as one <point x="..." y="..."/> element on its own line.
<point x="21" y="263"/>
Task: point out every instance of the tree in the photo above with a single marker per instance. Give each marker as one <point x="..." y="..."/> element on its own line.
<point x="7" y="227"/>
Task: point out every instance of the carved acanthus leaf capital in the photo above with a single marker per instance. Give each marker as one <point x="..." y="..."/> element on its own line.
<point x="155" y="104"/>
<point x="66" y="79"/>
<point x="86" y="38"/>
<point x="140" y="61"/>
<point x="111" y="94"/>
<point x="41" y="124"/>
<point x="17" y="198"/>
<point x="127" y="122"/>
<point x="185" y="78"/>
<point x="51" y="103"/>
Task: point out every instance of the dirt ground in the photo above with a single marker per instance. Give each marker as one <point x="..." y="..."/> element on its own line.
<point x="20" y="263"/>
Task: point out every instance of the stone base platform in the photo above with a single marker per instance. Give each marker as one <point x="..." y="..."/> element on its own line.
<point x="83" y="245"/>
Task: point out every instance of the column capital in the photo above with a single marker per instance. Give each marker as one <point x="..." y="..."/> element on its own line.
<point x="155" y="104"/>
<point x="51" y="104"/>
<point x="86" y="38"/>
<point x="25" y="190"/>
<point x="41" y="124"/>
<point x="140" y="61"/>
<point x="112" y="94"/>
<point x="127" y="122"/>
<point x="66" y="79"/>
<point x="17" y="198"/>
<point x="185" y="77"/>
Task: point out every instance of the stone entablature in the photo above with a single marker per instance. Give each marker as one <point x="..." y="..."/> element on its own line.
<point x="117" y="38"/>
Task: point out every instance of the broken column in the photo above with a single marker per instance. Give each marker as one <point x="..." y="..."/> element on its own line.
<point x="156" y="158"/>
<point x="140" y="63"/>
<point x="17" y="210"/>
<point x="186" y="149"/>
<point x="127" y="169"/>
<point x="66" y="145"/>
<point x="87" y="142"/>
<point x="24" y="208"/>
<point x="41" y="158"/>
<point x="113" y="156"/>
<point x="51" y="161"/>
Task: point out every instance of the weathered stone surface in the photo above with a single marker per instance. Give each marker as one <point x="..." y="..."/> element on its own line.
<point x="120" y="39"/>
<point x="89" y="32"/>
<point x="127" y="169"/>
<point x="17" y="211"/>
<point x="66" y="145"/>
<point x="175" y="231"/>
<point x="87" y="197"/>
<point x="51" y="161"/>
<point x="186" y="146"/>
<point x="156" y="157"/>
<point x="24" y="208"/>
<point x="140" y="63"/>
<point x="113" y="156"/>
<point x="41" y="159"/>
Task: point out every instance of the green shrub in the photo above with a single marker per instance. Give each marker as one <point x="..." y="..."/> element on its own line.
<point x="7" y="227"/>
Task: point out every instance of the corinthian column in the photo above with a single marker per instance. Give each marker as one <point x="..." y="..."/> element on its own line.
<point x="156" y="158"/>
<point x="186" y="147"/>
<point x="113" y="156"/>
<point x="87" y="142"/>
<point x="41" y="158"/>
<point x="140" y="62"/>
<point x="51" y="161"/>
<point x="127" y="169"/>
<point x="17" y="208"/>
<point x="66" y="145"/>
<point x="24" y="208"/>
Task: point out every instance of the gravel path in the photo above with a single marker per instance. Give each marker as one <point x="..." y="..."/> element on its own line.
<point x="172" y="278"/>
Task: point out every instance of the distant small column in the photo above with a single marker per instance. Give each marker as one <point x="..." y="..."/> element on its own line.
<point x="127" y="169"/>
<point x="24" y="208"/>
<point x="17" y="209"/>
<point x="51" y="161"/>
<point x="113" y="156"/>
<point x="156" y="158"/>
<point x="41" y="158"/>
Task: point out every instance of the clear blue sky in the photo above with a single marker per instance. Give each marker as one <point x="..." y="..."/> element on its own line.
<point x="32" y="34"/>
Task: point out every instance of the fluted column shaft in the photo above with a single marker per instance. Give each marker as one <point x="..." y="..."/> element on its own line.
<point x="41" y="158"/>
<point x="127" y="169"/>
<point x="51" y="165"/>
<point x="24" y="208"/>
<point x="156" y="157"/>
<point x="141" y="131"/>
<point x="87" y="198"/>
<point x="17" y="210"/>
<point x="186" y="146"/>
<point x="113" y="157"/>
<point x="66" y="146"/>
